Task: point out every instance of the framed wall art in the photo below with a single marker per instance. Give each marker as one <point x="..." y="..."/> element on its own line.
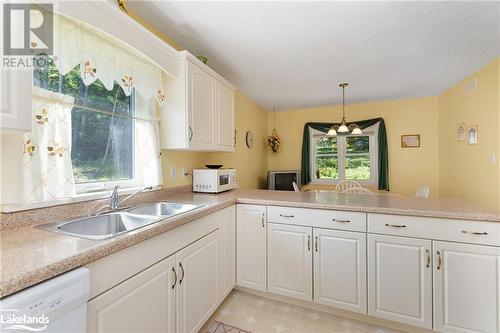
<point x="461" y="132"/>
<point x="410" y="141"/>
<point x="472" y="133"/>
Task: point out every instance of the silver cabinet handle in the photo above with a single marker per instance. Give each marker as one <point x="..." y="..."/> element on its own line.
<point x="287" y="216"/>
<point x="395" y="225"/>
<point x="175" y="277"/>
<point x="439" y="260"/>
<point x="428" y="258"/>
<point x="263" y="224"/>
<point x="341" y="221"/>
<point x="190" y="133"/>
<point x="308" y="242"/>
<point x="479" y="233"/>
<point x="182" y="269"/>
<point x="316" y="243"/>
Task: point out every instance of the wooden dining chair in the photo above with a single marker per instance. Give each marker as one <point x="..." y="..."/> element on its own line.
<point x="345" y="184"/>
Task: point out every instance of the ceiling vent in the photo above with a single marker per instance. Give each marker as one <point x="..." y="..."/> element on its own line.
<point x="471" y="85"/>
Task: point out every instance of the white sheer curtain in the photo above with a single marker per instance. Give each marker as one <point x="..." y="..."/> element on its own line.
<point x="147" y="141"/>
<point x="47" y="171"/>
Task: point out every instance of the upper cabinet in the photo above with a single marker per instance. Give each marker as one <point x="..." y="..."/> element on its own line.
<point x="15" y="108"/>
<point x="198" y="114"/>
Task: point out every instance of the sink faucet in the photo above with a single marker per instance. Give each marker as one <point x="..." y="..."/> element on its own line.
<point x="114" y="202"/>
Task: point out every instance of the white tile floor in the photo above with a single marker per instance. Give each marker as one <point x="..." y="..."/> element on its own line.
<point x="256" y="314"/>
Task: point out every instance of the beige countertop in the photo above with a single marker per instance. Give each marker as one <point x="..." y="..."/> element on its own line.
<point x="29" y="256"/>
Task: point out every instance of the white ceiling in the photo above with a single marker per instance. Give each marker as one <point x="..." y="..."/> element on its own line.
<point x="294" y="54"/>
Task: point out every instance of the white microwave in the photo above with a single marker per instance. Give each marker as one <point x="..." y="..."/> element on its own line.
<point x="213" y="180"/>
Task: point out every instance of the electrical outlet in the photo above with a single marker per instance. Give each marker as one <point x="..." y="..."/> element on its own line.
<point x="173" y="173"/>
<point x="185" y="172"/>
<point x="493" y="159"/>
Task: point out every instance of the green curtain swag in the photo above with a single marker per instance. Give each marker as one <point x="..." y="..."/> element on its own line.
<point x="383" y="155"/>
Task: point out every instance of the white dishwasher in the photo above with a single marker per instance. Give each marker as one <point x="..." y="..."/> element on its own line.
<point x="55" y="305"/>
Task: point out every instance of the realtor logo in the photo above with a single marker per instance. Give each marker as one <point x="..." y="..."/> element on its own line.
<point x="28" y="29"/>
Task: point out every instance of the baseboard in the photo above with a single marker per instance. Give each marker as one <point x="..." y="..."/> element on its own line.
<point x="338" y="312"/>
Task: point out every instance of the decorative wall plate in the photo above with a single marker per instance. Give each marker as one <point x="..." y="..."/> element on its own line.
<point x="249" y="139"/>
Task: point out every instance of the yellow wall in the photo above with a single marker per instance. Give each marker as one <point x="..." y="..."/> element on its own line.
<point x="465" y="170"/>
<point x="408" y="168"/>
<point x="250" y="164"/>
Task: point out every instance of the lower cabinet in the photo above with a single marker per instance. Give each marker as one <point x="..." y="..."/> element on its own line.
<point x="251" y="247"/>
<point x="197" y="281"/>
<point x="400" y="279"/>
<point x="395" y="272"/>
<point x="143" y="303"/>
<point x="289" y="259"/>
<point x="340" y="269"/>
<point x="177" y="294"/>
<point x="227" y="219"/>
<point x="466" y="288"/>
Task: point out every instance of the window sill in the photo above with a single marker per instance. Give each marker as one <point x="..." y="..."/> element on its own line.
<point x="17" y="207"/>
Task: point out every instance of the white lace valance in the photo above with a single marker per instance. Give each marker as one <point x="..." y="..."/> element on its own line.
<point x="103" y="57"/>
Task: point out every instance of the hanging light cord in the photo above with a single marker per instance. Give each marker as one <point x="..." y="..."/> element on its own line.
<point x="343" y="102"/>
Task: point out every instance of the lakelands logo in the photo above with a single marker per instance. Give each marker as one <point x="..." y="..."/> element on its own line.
<point x="12" y="320"/>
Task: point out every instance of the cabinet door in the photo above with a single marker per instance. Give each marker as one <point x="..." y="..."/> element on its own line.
<point x="143" y="303"/>
<point x="251" y="246"/>
<point x="201" y="108"/>
<point x="225" y="118"/>
<point x="15" y="106"/>
<point x="466" y="288"/>
<point x="400" y="279"/>
<point x="197" y="294"/>
<point x="289" y="259"/>
<point x="340" y="269"/>
<point x="228" y="250"/>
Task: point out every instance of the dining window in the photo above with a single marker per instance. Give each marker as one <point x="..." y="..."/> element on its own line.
<point x="338" y="158"/>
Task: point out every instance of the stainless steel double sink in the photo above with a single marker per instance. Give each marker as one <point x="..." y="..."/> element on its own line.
<point x="115" y="223"/>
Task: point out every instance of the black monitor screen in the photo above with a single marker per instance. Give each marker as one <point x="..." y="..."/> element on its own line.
<point x="283" y="181"/>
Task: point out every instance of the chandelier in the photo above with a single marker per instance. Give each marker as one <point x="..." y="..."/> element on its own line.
<point x="344" y="129"/>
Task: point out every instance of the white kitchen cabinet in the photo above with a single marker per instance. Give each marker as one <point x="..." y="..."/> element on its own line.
<point x="340" y="269"/>
<point x="466" y="288"/>
<point x="400" y="279"/>
<point x="251" y="247"/>
<point x="201" y="108"/>
<point x="289" y="259"/>
<point x="198" y="113"/>
<point x="227" y="218"/>
<point x="15" y="107"/>
<point x="143" y="303"/>
<point x="197" y="284"/>
<point x="224" y="102"/>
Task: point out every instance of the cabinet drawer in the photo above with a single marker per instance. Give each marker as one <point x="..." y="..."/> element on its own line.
<point x="475" y="232"/>
<point x="329" y="219"/>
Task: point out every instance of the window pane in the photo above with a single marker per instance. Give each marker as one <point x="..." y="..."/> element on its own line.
<point x="325" y="145"/>
<point x="357" y="145"/>
<point x="357" y="167"/>
<point x="327" y="167"/>
<point x="102" y="146"/>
